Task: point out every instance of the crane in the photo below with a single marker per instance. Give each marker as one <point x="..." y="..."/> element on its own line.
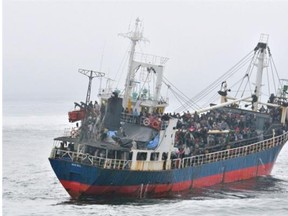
<point x="90" y="74"/>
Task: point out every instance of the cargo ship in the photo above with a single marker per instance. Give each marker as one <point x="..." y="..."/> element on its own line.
<point x="126" y="145"/>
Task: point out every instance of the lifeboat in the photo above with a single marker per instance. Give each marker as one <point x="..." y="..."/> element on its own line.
<point x="76" y="115"/>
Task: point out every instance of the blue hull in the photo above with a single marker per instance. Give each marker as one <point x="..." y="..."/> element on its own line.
<point x="84" y="180"/>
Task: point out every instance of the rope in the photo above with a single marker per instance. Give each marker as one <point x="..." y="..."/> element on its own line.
<point x="228" y="74"/>
<point x="275" y="73"/>
<point x="124" y="60"/>
<point x="225" y="76"/>
<point x="187" y="99"/>
<point x="248" y="75"/>
<point x="215" y="84"/>
<point x="181" y="96"/>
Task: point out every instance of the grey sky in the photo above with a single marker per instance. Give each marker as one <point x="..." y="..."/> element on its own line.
<point x="45" y="42"/>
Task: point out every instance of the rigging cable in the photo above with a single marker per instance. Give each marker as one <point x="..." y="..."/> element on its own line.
<point x="230" y="72"/>
<point x="180" y="99"/>
<point x="275" y="68"/>
<point x="226" y="75"/>
<point x="271" y="61"/>
<point x="275" y="73"/>
<point x="247" y="74"/>
<point x="187" y="99"/>
<point x="216" y="95"/>
<point x="273" y="78"/>
<point x="241" y="85"/>
<point x="175" y="94"/>
<point x="215" y="84"/>
<point x="124" y="59"/>
<point x="181" y="96"/>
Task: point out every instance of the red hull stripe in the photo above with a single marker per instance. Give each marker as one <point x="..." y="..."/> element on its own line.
<point x="76" y="189"/>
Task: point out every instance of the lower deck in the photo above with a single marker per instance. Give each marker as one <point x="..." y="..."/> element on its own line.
<point x="149" y="160"/>
<point x="81" y="180"/>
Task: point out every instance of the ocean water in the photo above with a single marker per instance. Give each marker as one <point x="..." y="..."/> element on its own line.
<point x="31" y="188"/>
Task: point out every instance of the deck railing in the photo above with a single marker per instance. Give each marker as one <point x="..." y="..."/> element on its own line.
<point x="178" y="163"/>
<point x="229" y="153"/>
<point x="88" y="159"/>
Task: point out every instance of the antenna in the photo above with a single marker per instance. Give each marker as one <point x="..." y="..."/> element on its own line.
<point x="134" y="36"/>
<point x="90" y="74"/>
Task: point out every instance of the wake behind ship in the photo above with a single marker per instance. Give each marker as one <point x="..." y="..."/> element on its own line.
<point x="126" y="145"/>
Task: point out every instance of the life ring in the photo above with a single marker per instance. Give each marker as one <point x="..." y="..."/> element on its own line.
<point x="146" y="122"/>
<point x="155" y="124"/>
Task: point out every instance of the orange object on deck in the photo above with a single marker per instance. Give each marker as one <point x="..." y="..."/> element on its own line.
<point x="155" y="123"/>
<point x="76" y="115"/>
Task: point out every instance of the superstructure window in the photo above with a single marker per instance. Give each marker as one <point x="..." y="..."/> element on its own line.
<point x="142" y="156"/>
<point x="154" y="156"/>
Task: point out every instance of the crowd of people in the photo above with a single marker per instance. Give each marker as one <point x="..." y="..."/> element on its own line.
<point x="218" y="129"/>
<point x="214" y="130"/>
<point x="198" y="132"/>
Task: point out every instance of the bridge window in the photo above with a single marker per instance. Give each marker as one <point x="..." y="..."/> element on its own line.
<point x="165" y="155"/>
<point x="142" y="156"/>
<point x="154" y="156"/>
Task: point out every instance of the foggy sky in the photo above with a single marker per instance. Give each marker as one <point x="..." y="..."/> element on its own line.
<point x="46" y="42"/>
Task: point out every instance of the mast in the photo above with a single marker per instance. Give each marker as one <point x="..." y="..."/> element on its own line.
<point x="90" y="74"/>
<point x="158" y="86"/>
<point x="261" y="50"/>
<point x="134" y="36"/>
